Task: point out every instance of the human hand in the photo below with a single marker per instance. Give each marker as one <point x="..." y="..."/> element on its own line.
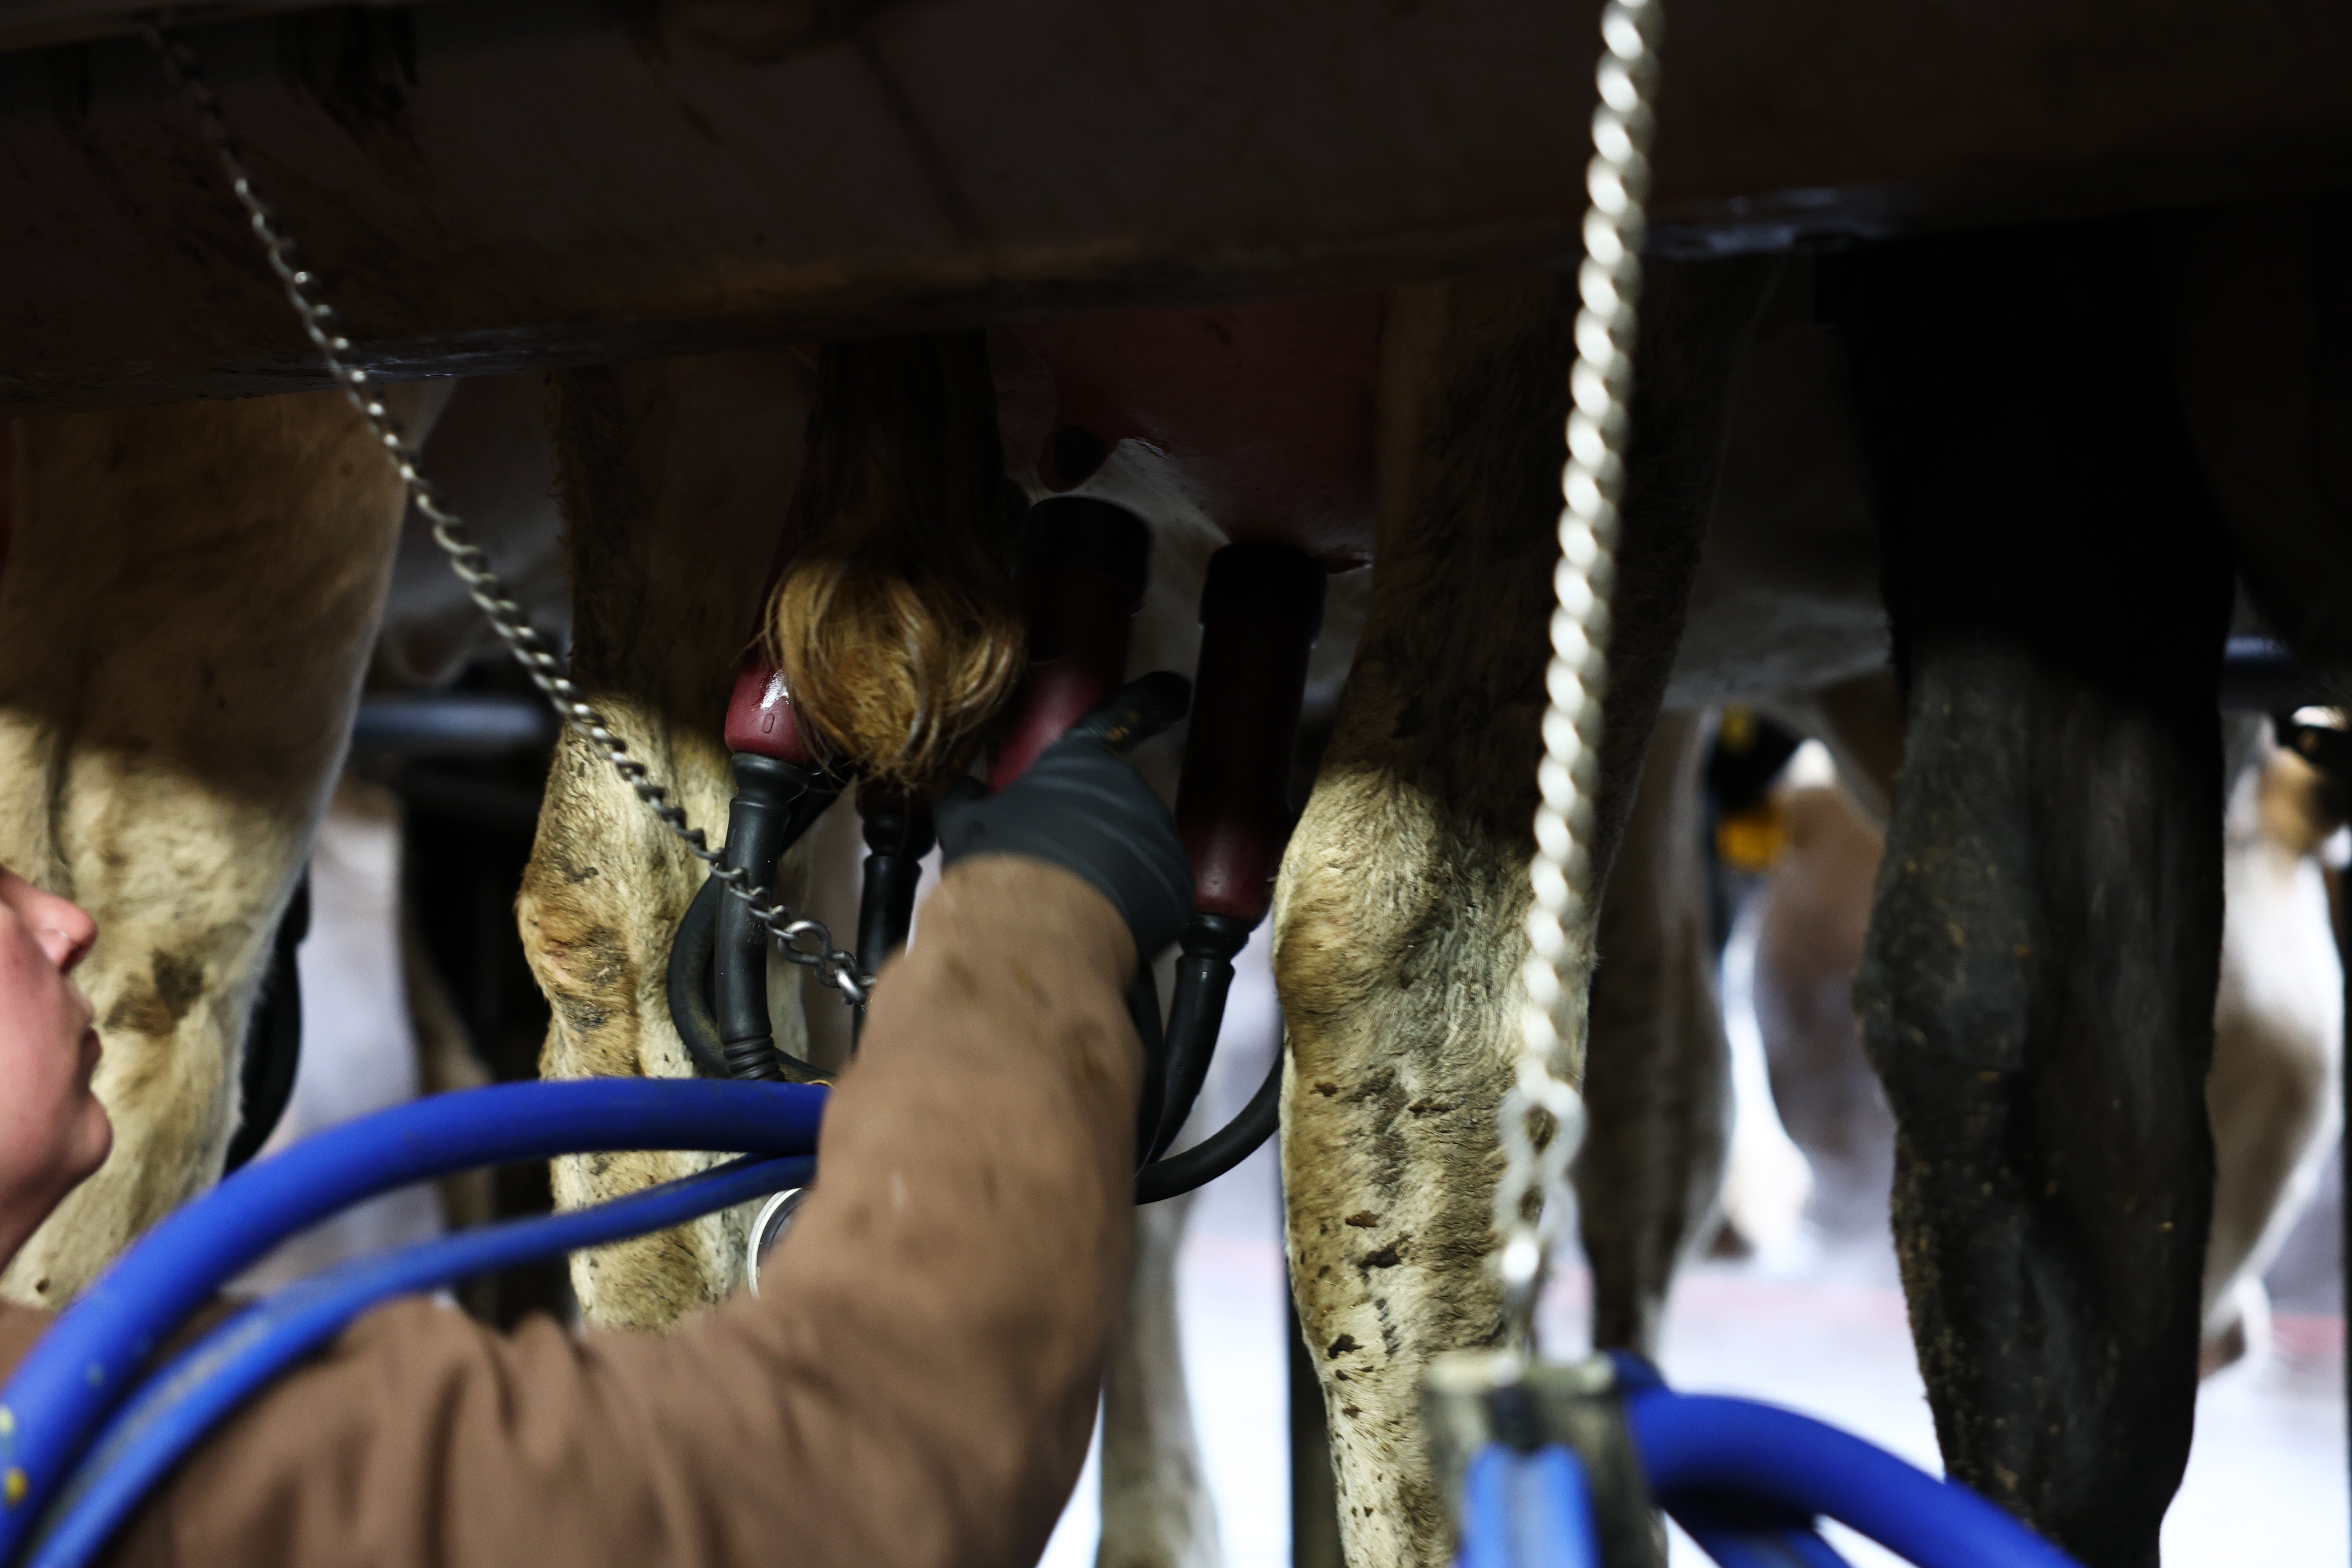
<point x="1081" y="807"/>
<point x="52" y="1132"/>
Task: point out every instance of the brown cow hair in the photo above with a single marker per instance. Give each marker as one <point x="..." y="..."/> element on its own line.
<point x="896" y="625"/>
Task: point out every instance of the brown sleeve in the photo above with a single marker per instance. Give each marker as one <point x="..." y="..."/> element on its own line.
<point x="915" y="1385"/>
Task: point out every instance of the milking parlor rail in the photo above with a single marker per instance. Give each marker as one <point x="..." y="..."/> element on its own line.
<point x="493" y="183"/>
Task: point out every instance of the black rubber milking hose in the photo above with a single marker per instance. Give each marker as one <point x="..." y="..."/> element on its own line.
<point x="718" y="979"/>
<point x="1204" y="976"/>
<point x="1260" y="610"/>
<point x="1220" y="1151"/>
<point x="765" y="790"/>
<point x="689" y="977"/>
<point x="273" y="1040"/>
<point x="898" y="833"/>
<point x="896" y="841"/>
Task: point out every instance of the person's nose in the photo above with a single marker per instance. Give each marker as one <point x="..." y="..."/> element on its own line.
<point x="65" y="930"/>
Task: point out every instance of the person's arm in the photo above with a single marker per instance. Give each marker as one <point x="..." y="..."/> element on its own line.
<point x="915" y="1385"/>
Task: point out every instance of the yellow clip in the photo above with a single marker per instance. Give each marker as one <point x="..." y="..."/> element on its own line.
<point x="1753" y="841"/>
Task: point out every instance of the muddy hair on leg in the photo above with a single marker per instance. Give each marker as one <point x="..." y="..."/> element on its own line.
<point x="896" y="625"/>
<point x="1399" y="914"/>
<point x="2037" y="987"/>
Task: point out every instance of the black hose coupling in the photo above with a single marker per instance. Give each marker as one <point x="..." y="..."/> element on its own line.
<point x="775" y="802"/>
<point x="898" y="834"/>
<point x="1204" y="976"/>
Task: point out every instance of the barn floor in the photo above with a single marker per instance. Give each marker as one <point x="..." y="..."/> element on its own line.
<point x="1821" y="1328"/>
<point x="2266" y="1479"/>
<point x="1824" y="1334"/>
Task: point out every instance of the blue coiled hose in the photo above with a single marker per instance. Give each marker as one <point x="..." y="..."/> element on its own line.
<point x="1745" y="1478"/>
<point x="83" y="1367"/>
<point x="175" y="1408"/>
<point x="1756" y="1541"/>
<point x="1734" y="1458"/>
<point x="1747" y="1481"/>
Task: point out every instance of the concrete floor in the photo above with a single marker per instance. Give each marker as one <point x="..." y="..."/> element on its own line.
<point x="2265" y="1483"/>
<point x="1822" y="1331"/>
<point x="2266" y="1476"/>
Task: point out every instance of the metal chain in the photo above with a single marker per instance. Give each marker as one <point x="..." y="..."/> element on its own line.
<point x="834" y="967"/>
<point x="1542" y="1115"/>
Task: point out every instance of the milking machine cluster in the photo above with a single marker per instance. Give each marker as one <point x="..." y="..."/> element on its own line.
<point x="1085" y="565"/>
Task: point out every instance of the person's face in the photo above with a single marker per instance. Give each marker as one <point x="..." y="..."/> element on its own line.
<point x="52" y="1132"/>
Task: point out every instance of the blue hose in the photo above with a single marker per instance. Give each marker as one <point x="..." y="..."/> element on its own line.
<point x="1526" y="1511"/>
<point x="183" y="1402"/>
<point x="1704" y="1451"/>
<point x="1745" y="1539"/>
<point x="83" y="1367"/>
<point x="1742" y="1474"/>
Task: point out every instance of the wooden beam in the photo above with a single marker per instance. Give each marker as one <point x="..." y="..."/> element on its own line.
<point x="35" y="24"/>
<point x="507" y="183"/>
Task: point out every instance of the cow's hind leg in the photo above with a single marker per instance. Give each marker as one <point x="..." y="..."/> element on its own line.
<point x="2037" y="989"/>
<point x="1157" y="1511"/>
<point x="1657" y="1066"/>
<point x="190" y="595"/>
<point x="1401" y="907"/>
<point x="675" y="476"/>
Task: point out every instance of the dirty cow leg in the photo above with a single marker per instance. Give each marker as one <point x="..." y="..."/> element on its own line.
<point x="1399" y="911"/>
<point x="2278" y="1042"/>
<point x="2038" y="985"/>
<point x="1156" y="1508"/>
<point x="187" y="608"/>
<point x="1657" y="1067"/>
<point x="675" y="476"/>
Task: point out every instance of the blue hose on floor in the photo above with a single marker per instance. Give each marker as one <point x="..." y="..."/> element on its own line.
<point x="1754" y="1540"/>
<point x="1747" y="1481"/>
<point x="177" y="1407"/>
<point x="1733" y="1458"/>
<point x="83" y="1367"/>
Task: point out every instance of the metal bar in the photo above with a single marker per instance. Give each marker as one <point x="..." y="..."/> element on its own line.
<point x="453" y="724"/>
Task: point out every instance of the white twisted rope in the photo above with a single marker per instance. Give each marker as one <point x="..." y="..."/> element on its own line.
<point x="1542" y="1115"/>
